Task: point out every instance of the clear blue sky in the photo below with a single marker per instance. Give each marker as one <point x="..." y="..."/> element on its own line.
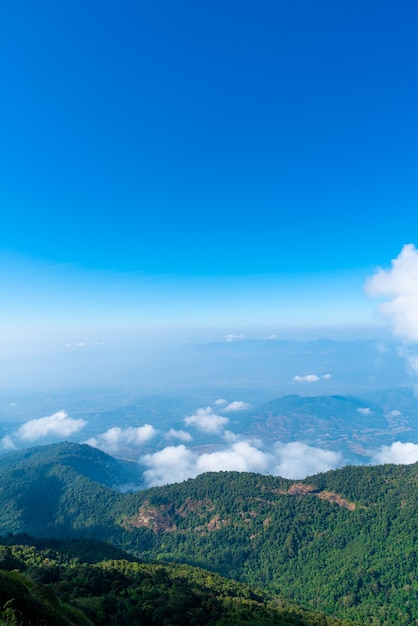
<point x="203" y="163"/>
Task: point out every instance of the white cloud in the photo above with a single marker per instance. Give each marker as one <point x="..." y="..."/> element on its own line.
<point x="176" y="463"/>
<point x="220" y="402"/>
<point x="398" y="453"/>
<point x="170" y="465"/>
<point x="400" y="286"/>
<point x="271" y="337"/>
<point x="292" y="460"/>
<point x="395" y="413"/>
<point x="181" y="435"/>
<point x="241" y="457"/>
<point x="364" y="411"/>
<point x="298" y="460"/>
<point x="115" y="438"/>
<point x="237" y="405"/>
<point x="233" y="337"/>
<point x="326" y="376"/>
<point x="58" y="424"/>
<point x="309" y="378"/>
<point x="207" y="421"/>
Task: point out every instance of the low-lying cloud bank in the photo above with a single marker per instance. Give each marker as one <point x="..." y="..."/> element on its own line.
<point x="295" y="460"/>
<point x="291" y="460"/>
<point x="398" y="453"/>
<point x="174" y="458"/>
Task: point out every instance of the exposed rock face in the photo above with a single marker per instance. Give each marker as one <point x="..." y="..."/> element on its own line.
<point x="194" y="506"/>
<point x="156" y="518"/>
<point x="335" y="497"/>
<point x="216" y="523"/>
<point x="300" y="489"/>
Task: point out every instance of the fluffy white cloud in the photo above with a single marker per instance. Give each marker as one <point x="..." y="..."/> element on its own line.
<point x="206" y="420"/>
<point x="399" y="285"/>
<point x="293" y="460"/>
<point x="309" y="378"/>
<point x="116" y="438"/>
<point x="399" y="453"/>
<point x="181" y="435"/>
<point x="364" y="411"/>
<point x="237" y="405"/>
<point x="241" y="456"/>
<point x="176" y="463"/>
<point x="58" y="424"/>
<point x="170" y="465"/>
<point x="326" y="376"/>
<point x="220" y="402"/>
<point x="298" y="460"/>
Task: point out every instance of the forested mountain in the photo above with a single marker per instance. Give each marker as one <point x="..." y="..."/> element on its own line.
<point x="85" y="583"/>
<point x="84" y="459"/>
<point x="343" y="542"/>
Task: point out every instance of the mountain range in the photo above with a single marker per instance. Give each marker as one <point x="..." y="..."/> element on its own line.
<point x="351" y="424"/>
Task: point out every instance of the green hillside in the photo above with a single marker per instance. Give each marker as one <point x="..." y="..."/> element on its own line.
<point x="88" y="461"/>
<point x="56" y="583"/>
<point x="343" y="542"/>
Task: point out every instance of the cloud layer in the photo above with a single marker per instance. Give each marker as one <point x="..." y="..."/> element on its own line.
<point x="292" y="460"/>
<point x="225" y="450"/>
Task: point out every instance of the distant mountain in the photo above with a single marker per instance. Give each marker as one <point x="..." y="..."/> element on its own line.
<point x="401" y="399"/>
<point x="339" y="422"/>
<point x="343" y="542"/>
<point x="355" y="366"/>
<point x="61" y="489"/>
<point x="90" y="462"/>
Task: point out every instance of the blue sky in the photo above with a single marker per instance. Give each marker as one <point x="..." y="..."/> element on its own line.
<point x="186" y="165"/>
